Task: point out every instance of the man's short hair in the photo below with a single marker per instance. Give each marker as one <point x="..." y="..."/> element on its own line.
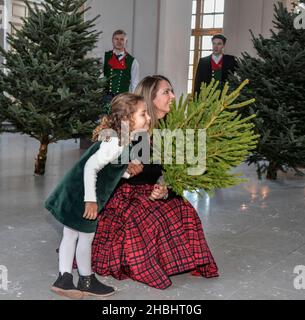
<point x="120" y="31"/>
<point x="221" y="37"/>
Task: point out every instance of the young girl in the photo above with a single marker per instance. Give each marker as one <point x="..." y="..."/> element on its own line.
<point x="83" y="192"/>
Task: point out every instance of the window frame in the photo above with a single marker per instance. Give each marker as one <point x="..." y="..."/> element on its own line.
<point x="198" y="33"/>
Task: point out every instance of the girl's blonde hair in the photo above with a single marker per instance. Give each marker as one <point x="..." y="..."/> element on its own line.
<point x="123" y="106"/>
<point x="147" y="88"/>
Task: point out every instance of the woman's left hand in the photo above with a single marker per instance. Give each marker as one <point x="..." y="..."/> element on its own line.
<point x="159" y="192"/>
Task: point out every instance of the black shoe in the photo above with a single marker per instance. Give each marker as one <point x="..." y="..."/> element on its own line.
<point x="64" y="286"/>
<point x="90" y="286"/>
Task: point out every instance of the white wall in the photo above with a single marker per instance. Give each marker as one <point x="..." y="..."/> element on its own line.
<point x="174" y="40"/>
<point x="115" y="14"/>
<point x="158" y="34"/>
<point x="146" y="35"/>
<point x="3" y="5"/>
<point x="242" y="15"/>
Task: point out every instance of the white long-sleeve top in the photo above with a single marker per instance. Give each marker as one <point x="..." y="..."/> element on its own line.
<point x="135" y="75"/>
<point x="107" y="152"/>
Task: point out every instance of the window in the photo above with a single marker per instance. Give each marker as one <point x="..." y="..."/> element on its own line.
<point x="207" y="20"/>
<point x="19" y="11"/>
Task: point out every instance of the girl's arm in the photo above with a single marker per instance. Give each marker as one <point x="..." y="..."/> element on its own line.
<point x="107" y="152"/>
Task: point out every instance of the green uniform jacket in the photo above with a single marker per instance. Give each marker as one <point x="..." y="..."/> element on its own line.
<point x="119" y="80"/>
<point x="66" y="202"/>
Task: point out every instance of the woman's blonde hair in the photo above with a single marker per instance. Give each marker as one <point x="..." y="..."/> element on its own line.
<point x="147" y="88"/>
<point x="123" y="106"/>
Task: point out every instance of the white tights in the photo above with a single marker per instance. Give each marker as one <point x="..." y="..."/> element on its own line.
<point x="79" y="244"/>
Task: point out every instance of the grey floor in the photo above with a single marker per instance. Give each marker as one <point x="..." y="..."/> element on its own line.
<point x="256" y="232"/>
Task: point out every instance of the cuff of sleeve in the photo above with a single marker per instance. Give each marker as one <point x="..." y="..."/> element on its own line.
<point x="171" y="194"/>
<point x="90" y="200"/>
<point x="126" y="175"/>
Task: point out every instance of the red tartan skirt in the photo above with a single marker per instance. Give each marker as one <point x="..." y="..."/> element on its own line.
<point x="148" y="241"/>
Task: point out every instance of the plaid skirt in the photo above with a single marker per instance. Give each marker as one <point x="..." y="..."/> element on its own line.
<point x="148" y="241"/>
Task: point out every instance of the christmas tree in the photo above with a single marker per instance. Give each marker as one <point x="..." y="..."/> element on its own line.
<point x="277" y="81"/>
<point x="50" y="88"/>
<point x="228" y="140"/>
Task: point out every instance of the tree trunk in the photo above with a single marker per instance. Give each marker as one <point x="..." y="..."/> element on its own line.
<point x="272" y="171"/>
<point x="41" y="159"/>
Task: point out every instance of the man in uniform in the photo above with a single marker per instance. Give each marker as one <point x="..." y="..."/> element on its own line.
<point x="121" y="68"/>
<point x="217" y="65"/>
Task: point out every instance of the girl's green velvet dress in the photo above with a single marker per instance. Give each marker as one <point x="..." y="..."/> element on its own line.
<point x="66" y="202"/>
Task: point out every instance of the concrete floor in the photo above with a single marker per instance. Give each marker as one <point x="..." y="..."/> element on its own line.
<point x="256" y="232"/>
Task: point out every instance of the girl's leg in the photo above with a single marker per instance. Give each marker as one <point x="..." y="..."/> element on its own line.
<point x="67" y="250"/>
<point x="64" y="285"/>
<point x="88" y="283"/>
<point x="83" y="253"/>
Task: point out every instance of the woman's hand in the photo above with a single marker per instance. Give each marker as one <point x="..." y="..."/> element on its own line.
<point x="134" y="168"/>
<point x="159" y="192"/>
<point x="90" y="211"/>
